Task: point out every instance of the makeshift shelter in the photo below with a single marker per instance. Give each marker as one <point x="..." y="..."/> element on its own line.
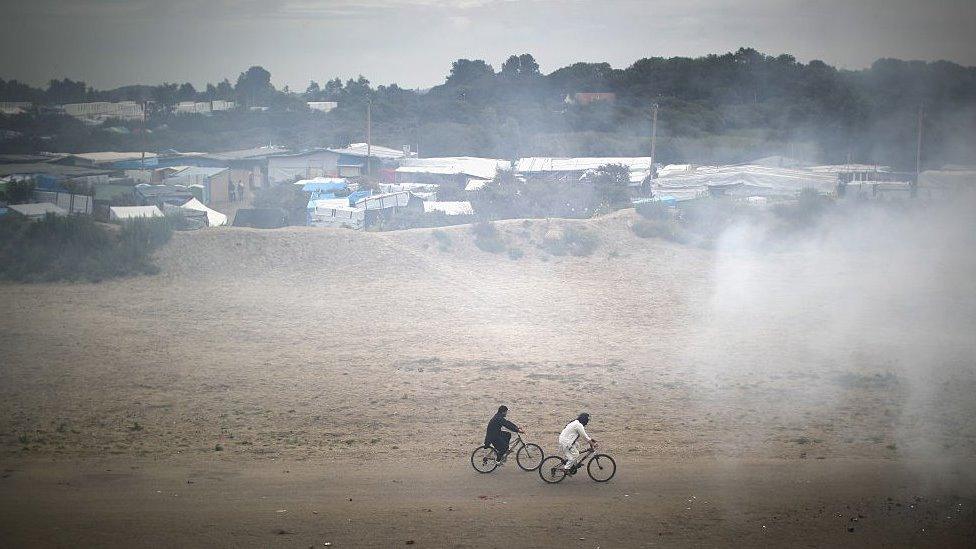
<point x="261" y="218"/>
<point x="214" y="218"/>
<point x="336" y="213"/>
<point x="323" y="184"/>
<point x="380" y="206"/>
<point x="449" y="208"/>
<point x="687" y="181"/>
<point x="36" y="212"/>
<point x="575" y="168"/>
<point x="122" y="213"/>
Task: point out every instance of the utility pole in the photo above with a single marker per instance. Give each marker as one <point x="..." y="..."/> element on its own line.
<point x="918" y="146"/>
<point x="369" y="136"/>
<point x="654" y="108"/>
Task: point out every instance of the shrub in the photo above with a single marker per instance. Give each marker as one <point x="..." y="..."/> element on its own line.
<point x="487" y="238"/>
<point x="443" y="240"/>
<point x="573" y="241"/>
<point x="515" y="253"/>
<point x="580" y="242"/>
<point x="668" y="230"/>
<point x="76" y="248"/>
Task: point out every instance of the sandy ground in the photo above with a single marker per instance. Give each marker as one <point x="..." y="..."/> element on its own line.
<point x="344" y="351"/>
<point x="424" y="503"/>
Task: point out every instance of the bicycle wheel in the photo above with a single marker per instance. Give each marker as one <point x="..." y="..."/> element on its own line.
<point x="551" y="469"/>
<point x="529" y="457"/>
<point x="601" y="468"/>
<point x="484" y="459"/>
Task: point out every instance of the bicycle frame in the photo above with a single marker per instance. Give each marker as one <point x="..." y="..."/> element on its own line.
<point x="584" y="455"/>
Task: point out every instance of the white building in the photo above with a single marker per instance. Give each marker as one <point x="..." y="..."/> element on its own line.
<point x="192" y="107"/>
<point x="322" y="106"/>
<point x="99" y="111"/>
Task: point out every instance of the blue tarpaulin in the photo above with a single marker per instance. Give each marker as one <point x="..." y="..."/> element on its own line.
<point x="326" y="186"/>
<point x="357" y="196"/>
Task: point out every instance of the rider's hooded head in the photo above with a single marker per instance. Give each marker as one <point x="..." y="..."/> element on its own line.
<point x="583" y="418"/>
<point x="502" y="410"/>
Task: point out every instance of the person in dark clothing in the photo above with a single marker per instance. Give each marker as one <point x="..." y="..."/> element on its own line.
<point x="498" y="439"/>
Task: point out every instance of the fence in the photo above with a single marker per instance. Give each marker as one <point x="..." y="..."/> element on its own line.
<point x="73" y="203"/>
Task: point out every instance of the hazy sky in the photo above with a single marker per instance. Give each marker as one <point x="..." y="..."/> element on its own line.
<point x="109" y="43"/>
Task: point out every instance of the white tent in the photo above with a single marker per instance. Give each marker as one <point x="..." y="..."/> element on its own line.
<point x="121" y="213"/>
<point x="214" y="218"/>
<point x="37" y="211"/>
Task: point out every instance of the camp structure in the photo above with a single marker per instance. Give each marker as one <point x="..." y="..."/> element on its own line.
<point x="386" y="205"/>
<point x="458" y="208"/>
<point x="261" y="218"/>
<point x="122" y="213"/>
<point x="36" y="212"/>
<point x="194" y="209"/>
<point x="335" y="212"/>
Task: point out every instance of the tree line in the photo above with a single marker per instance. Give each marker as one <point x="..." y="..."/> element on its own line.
<point x="728" y="107"/>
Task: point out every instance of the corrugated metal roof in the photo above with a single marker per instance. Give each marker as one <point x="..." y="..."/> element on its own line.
<point x="359" y="149"/>
<point x="774" y="180"/>
<point x="547" y="164"/>
<point x="194" y="173"/>
<point x="243" y="154"/>
<point x="48" y="169"/>
<point x="111" y="156"/>
<point x="484" y="168"/>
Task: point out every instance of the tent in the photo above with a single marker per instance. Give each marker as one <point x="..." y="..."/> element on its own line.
<point x="214" y="218"/>
<point x="121" y="213"/>
<point x="36" y="212"/>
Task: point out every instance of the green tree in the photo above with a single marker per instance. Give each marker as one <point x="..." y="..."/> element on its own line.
<point x="254" y="86"/>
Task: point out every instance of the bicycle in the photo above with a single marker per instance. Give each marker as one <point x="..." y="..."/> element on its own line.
<point x="600" y="467"/>
<point x="529" y="456"/>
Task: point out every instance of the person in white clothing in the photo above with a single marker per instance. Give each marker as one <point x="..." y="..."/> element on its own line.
<point x="572" y="433"/>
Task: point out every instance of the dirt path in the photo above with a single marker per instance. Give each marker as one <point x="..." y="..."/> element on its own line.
<point x="223" y="502"/>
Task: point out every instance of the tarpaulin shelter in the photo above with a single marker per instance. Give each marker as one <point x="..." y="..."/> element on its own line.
<point x="122" y="213"/>
<point x="261" y="218"/>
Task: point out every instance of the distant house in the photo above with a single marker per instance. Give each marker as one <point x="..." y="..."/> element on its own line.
<point x="286" y="167"/>
<point x="349" y="161"/>
<point x="218" y="105"/>
<point x="192" y="107"/>
<point x="15" y="107"/>
<point x="112" y="160"/>
<point x="573" y="169"/>
<point x="248" y="167"/>
<point x="322" y="106"/>
<point x="455" y="171"/>
<point x="585" y="98"/>
<point x="215" y="184"/>
<point x="99" y="111"/>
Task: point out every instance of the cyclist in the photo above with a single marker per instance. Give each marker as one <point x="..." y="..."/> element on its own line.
<point x="498" y="439"/>
<point x="570" y="435"/>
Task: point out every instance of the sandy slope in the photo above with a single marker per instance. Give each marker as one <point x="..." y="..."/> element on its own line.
<point x="349" y="349"/>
